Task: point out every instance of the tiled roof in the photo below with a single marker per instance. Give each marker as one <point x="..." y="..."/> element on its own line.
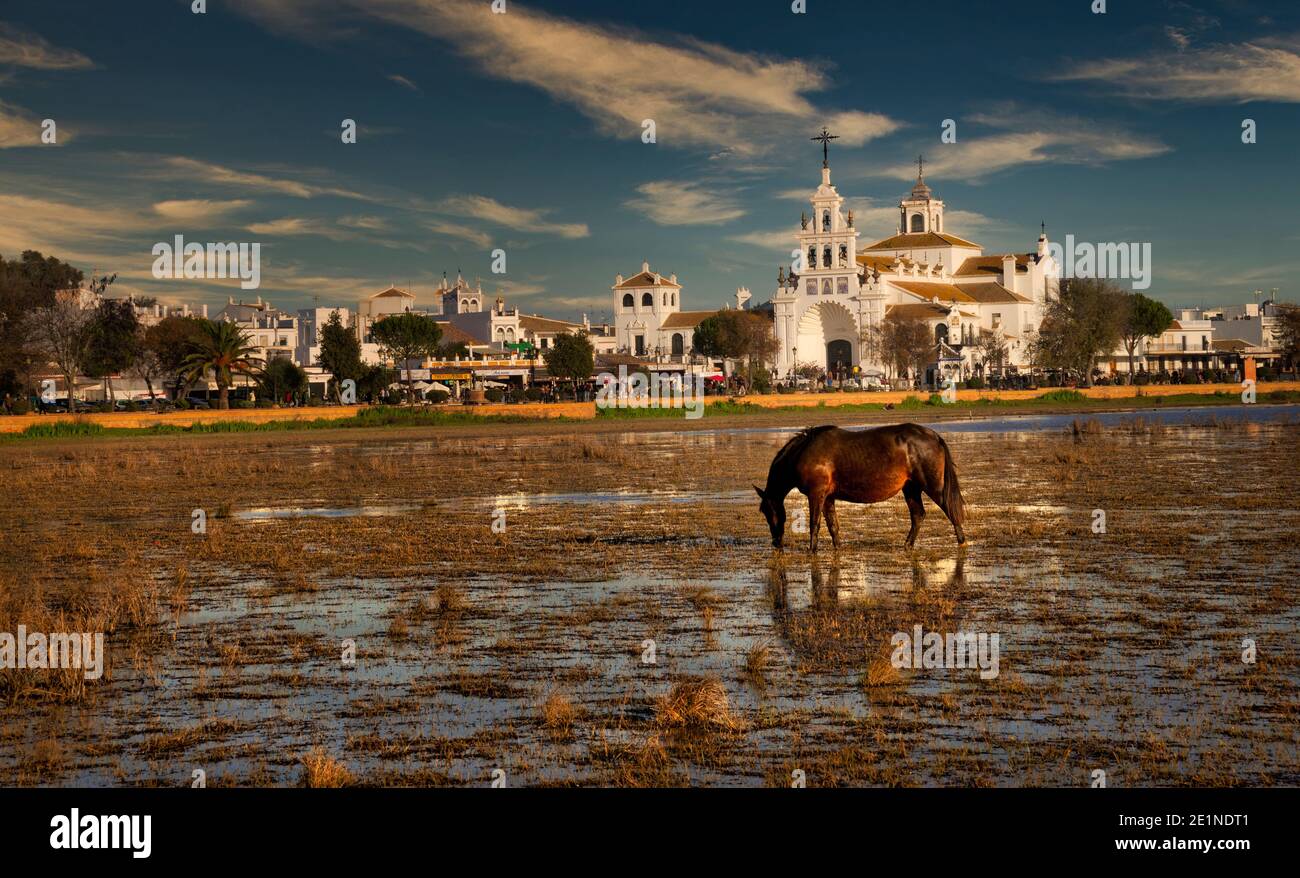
<point x="646" y="279"/>
<point x="393" y="292"/>
<point x="917" y="311"/>
<point x="987" y="293"/>
<point x="976" y="265"/>
<point x="686" y="319"/>
<point x="929" y="290"/>
<point x="921" y="239"/>
<point x="534" y="323"/>
<point x="453" y="334"/>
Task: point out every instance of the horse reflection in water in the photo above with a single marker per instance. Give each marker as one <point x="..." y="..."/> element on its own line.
<point x="841" y="625"/>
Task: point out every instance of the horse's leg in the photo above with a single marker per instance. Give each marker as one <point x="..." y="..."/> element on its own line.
<point x="816" y="499"/>
<point x="937" y="497"/>
<point x="912" y="494"/>
<point x="832" y="521"/>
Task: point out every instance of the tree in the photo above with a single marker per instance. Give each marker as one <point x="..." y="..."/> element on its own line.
<point x="27" y="283"/>
<point x="572" y="358"/>
<point x="171" y="340"/>
<point x="1143" y="318"/>
<point x="114" y="341"/>
<point x="222" y="349"/>
<point x="905" y="343"/>
<point x="281" y="376"/>
<point x="147" y="366"/>
<point x="736" y="335"/>
<point x="340" y="353"/>
<point x="1288" y="333"/>
<point x="61" y="333"/>
<point x="991" y="350"/>
<point x="1084" y="322"/>
<point x="405" y="337"/>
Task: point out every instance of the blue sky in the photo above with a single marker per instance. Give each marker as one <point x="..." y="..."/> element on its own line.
<point x="523" y="131"/>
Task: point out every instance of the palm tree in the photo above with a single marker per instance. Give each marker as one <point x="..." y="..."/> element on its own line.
<point x="222" y="348"/>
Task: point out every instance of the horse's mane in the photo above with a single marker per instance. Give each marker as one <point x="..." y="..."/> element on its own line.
<point x="797" y="443"/>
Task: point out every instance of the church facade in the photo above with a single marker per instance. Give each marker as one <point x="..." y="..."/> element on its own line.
<point x="838" y="290"/>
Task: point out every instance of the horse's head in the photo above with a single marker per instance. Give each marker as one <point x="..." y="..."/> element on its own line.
<point x="773" y="510"/>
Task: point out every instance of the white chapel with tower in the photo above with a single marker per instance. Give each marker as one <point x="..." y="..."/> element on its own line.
<point x="838" y="289"/>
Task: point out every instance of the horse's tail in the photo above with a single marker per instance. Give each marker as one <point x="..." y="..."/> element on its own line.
<point x="952" y="502"/>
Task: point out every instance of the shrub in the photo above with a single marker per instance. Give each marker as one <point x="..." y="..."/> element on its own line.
<point x="438" y="397"/>
<point x="494" y="394"/>
<point x="975" y="383"/>
<point x="182" y="404"/>
<point x="20" y="406"/>
<point x="1062" y="396"/>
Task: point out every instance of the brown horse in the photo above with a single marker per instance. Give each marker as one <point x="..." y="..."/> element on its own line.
<point x="861" y="466"/>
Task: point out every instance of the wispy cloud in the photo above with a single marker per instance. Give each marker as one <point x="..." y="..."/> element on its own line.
<point x="699" y="94"/>
<point x="403" y="81"/>
<point x="20" y="48"/>
<point x="680" y="203"/>
<point x="207" y="172"/>
<point x="193" y="210"/>
<point x="460" y="232"/>
<point x="1267" y="69"/>
<point x="20" y="128"/>
<point x="521" y="219"/>
<point x="1009" y="136"/>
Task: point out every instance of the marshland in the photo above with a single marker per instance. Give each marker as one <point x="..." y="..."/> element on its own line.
<point x="551" y="604"/>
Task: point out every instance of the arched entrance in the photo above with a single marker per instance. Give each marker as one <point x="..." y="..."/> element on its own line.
<point x="839" y="357"/>
<point x="828" y="328"/>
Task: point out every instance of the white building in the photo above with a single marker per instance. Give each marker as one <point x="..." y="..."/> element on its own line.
<point x="272" y="332"/>
<point x="648" y="317"/>
<point x="310" y="323"/>
<point x="838" y="290"/>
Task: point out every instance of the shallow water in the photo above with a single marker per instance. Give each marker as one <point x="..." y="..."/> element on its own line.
<point x="1117" y="650"/>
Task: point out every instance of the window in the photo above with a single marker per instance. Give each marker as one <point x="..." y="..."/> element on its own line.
<point x="842" y="286"/>
<point x="826" y="287"/>
<point x="918" y="223"/>
<point x="844" y="256"/>
<point x="648" y="300"/>
<point x="826" y="257"/>
<point x="665" y="300"/>
<point x="811" y="287"/>
<point x="812" y="258"/>
<point x="628" y="301"/>
<point x="1205" y="343"/>
<point x="826" y="221"/>
<point x="940" y="333"/>
<point x="679" y="344"/>
<point x="640" y="345"/>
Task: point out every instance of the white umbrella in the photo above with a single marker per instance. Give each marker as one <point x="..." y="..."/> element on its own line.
<point x="494" y="384"/>
<point x="438" y="385"/>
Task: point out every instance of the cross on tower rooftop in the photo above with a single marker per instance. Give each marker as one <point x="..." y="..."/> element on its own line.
<point x="825" y="139"/>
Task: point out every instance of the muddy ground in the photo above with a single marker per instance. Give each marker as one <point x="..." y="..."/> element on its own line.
<point x="603" y="606"/>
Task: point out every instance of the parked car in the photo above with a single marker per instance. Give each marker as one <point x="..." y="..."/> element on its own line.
<point x="197" y="402"/>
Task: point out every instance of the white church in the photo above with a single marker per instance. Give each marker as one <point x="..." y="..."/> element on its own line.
<point x="838" y="289"/>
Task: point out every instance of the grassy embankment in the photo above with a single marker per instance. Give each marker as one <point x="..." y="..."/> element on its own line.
<point x="386" y="416"/>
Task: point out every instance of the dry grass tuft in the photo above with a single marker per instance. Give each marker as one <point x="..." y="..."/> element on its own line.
<point x="881" y="672"/>
<point x="697" y="703"/>
<point x="558" y="715"/>
<point x="321" y="771"/>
